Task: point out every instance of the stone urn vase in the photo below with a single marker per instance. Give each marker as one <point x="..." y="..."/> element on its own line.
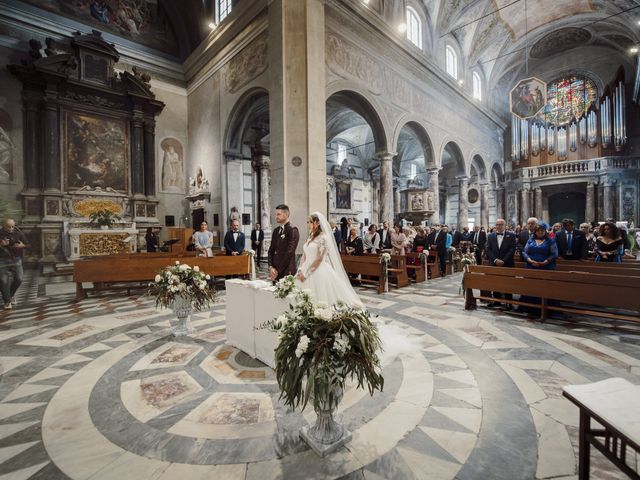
<point x="326" y="435"/>
<point x="180" y="325"/>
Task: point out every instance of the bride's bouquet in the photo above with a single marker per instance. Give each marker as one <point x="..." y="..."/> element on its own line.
<point x="320" y="346"/>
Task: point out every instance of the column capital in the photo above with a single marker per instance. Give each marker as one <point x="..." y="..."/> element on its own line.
<point x="433" y="170"/>
<point x="385" y="156"/>
<point x="462" y="178"/>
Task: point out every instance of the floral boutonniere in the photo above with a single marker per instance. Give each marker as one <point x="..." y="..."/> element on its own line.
<point x="282" y="235"/>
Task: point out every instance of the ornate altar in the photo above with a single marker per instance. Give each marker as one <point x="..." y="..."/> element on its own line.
<point x="89" y="139"/>
<point x="85" y="241"/>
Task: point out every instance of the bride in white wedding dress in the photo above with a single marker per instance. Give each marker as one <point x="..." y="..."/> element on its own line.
<point x="321" y="269"/>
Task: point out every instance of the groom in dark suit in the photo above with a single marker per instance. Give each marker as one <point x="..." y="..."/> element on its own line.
<point x="282" y="252"/>
<point x="234" y="240"/>
<point x="500" y="249"/>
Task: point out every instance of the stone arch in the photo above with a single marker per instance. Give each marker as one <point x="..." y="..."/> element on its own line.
<point x="363" y="107"/>
<point x="248" y="122"/>
<point x="496" y="176"/>
<point x="452" y="150"/>
<point x="419" y="131"/>
<point x="477" y="164"/>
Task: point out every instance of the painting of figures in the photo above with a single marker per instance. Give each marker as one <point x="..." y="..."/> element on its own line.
<point x="141" y="21"/>
<point x="96" y="152"/>
<point x="343" y="195"/>
<point x="528" y="97"/>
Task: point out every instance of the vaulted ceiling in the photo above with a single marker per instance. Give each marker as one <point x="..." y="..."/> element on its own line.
<point x="505" y="37"/>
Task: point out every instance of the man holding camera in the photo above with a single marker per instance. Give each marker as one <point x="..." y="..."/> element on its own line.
<point x="12" y="245"/>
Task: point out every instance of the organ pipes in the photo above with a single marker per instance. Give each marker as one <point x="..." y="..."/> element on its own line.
<point x="562" y="143"/>
<point x="524" y="139"/>
<point x="573" y="137"/>
<point x="605" y="122"/>
<point x="592" y="129"/>
<point x="619" y="127"/>
<point x="535" y="139"/>
<point x="551" y="139"/>
<point x="582" y="127"/>
<point x="515" y="139"/>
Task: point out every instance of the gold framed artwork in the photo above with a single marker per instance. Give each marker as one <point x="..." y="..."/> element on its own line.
<point x="96" y="151"/>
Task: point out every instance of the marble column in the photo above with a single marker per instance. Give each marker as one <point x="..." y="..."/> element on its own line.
<point x="590" y="203"/>
<point x="137" y="157"/>
<point x="32" y="164"/>
<point x="499" y="196"/>
<point x="609" y="200"/>
<point x="149" y="158"/>
<point x="463" y="202"/>
<point x="484" y="205"/>
<point x="263" y="163"/>
<point x="297" y="96"/>
<point x="51" y="150"/>
<point x="396" y="201"/>
<point x="434" y="184"/>
<point x="526" y="205"/>
<point x="386" y="187"/>
<point x="538" y="202"/>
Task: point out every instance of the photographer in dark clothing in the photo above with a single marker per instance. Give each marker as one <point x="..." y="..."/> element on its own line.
<point x="12" y="245"/>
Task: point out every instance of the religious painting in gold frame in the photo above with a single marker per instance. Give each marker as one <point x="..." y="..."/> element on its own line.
<point x="528" y="97"/>
<point x="96" y="151"/>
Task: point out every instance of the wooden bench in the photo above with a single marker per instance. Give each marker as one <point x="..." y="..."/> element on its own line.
<point x="613" y="403"/>
<point x="367" y="266"/>
<point x="433" y="264"/>
<point x="397" y="270"/>
<point x="588" y="290"/>
<point x="591" y="267"/>
<point x="417" y="268"/>
<point x="117" y="272"/>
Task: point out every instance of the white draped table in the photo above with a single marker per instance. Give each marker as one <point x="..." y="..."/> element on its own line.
<point x="249" y="305"/>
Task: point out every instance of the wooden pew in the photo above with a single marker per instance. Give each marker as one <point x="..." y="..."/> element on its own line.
<point x="419" y="272"/>
<point x="367" y="266"/>
<point x="591" y="267"/>
<point x="107" y="270"/>
<point x="397" y="270"/>
<point x="433" y="264"/>
<point x="588" y="290"/>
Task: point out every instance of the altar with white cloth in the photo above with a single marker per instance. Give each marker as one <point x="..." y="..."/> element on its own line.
<point x="249" y="305"/>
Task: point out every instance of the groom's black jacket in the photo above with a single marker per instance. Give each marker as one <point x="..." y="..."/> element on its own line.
<point x="282" y="252"/>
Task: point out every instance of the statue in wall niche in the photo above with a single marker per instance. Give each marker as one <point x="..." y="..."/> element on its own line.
<point x="172" y="165"/>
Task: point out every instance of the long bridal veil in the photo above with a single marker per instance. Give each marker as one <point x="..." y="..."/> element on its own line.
<point x="336" y="261"/>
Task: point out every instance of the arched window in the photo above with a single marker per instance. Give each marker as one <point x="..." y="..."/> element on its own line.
<point x="477" y="86"/>
<point x="223" y="8"/>
<point x="414" y="28"/>
<point x="452" y="61"/>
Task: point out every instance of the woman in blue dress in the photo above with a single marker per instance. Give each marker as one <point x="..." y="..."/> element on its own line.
<point x="540" y="253"/>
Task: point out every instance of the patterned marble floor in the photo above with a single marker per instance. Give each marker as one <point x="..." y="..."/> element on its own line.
<point x="98" y="389"/>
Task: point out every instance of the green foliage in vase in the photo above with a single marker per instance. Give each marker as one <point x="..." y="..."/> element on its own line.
<point x="180" y="280"/>
<point x="321" y="346"/>
<point x="103" y="218"/>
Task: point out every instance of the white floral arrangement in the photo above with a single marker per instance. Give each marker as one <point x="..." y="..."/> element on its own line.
<point x="252" y="253"/>
<point x="322" y="345"/>
<point x="180" y="280"/>
<point x="285" y="286"/>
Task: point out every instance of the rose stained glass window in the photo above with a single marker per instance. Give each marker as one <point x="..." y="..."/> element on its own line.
<point x="568" y="98"/>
